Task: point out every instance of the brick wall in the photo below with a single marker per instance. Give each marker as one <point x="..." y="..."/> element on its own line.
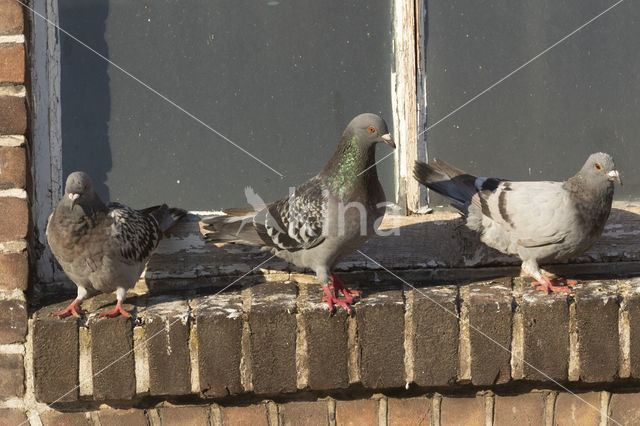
<point x="14" y="208"/>
<point x="277" y="337"/>
<point x="400" y="356"/>
<point x="591" y="408"/>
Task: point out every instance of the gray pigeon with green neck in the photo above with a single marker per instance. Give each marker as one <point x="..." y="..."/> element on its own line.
<point x="537" y="221"/>
<point x="325" y="218"/>
<point x="103" y="247"/>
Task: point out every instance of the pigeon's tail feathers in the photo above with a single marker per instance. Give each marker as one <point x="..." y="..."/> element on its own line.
<point x="242" y="211"/>
<point x="229" y="228"/>
<point x="426" y="174"/>
<point x="176" y="213"/>
<point x="449" y="169"/>
<point x="164" y="215"/>
<point x="438" y="179"/>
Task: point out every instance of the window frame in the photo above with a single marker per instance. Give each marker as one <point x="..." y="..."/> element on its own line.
<point x="408" y="85"/>
<point x="46" y="130"/>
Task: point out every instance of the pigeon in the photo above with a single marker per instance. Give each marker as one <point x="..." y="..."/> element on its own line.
<point x="537" y="221"/>
<point x="325" y="218"/>
<point x="103" y="247"/>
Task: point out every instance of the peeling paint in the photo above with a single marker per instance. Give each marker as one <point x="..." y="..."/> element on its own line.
<point x="234" y="267"/>
<point x="193" y="243"/>
<point x="167" y="329"/>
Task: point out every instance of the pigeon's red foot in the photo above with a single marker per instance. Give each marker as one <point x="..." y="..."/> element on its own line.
<point x="118" y="310"/>
<point x="339" y="286"/>
<point x="331" y="300"/>
<point x="72" y="309"/>
<point x="564" y="281"/>
<point x="553" y="285"/>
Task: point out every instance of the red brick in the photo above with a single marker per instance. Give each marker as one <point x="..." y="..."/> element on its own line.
<point x="13" y="321"/>
<point x="169" y="371"/>
<point x="633" y="308"/>
<point x="435" y="337"/>
<point x="55" y="418"/>
<point x="219" y="344"/>
<point x="328" y="366"/>
<point x="577" y="410"/>
<point x="14" y="218"/>
<point x="14" y="271"/>
<point x="178" y="416"/>
<point x="55" y="356"/>
<point x="358" y="412"/>
<point x="13" y="166"/>
<point x="273" y="338"/>
<point x="12" y="64"/>
<point x="250" y="415"/>
<point x="13" y="115"/>
<point x="12" y="417"/>
<point x="132" y="417"/>
<point x="409" y="411"/>
<point x="625" y="408"/>
<point x="526" y="409"/>
<point x="380" y="321"/>
<point x="112" y="348"/>
<point x="546" y="330"/>
<point x="11" y="375"/>
<point x="11" y="18"/>
<point x="304" y="413"/>
<point x="597" y="324"/>
<point x="462" y="411"/>
<point x="490" y="312"/>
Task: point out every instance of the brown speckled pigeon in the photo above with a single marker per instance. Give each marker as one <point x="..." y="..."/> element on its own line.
<point x="537" y="221"/>
<point x="326" y="217"/>
<point x="103" y="247"/>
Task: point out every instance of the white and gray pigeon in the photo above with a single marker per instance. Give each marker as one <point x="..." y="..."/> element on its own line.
<point x="103" y="247"/>
<point x="537" y="221"/>
<point x="325" y="218"/>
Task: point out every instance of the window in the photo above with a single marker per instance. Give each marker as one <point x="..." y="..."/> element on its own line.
<point x="196" y="103"/>
<point x="565" y="95"/>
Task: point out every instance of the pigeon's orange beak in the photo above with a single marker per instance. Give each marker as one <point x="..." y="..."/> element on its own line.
<point x="387" y="139"/>
<point x="614" y="176"/>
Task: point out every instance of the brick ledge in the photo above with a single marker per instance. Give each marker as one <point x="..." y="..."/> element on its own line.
<point x="278" y="339"/>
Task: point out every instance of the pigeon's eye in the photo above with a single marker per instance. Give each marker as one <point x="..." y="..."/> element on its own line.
<point x="371" y="129"/>
<point x="598" y="166"/>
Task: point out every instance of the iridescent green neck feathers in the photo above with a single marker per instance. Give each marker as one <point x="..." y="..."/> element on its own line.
<point x="345" y="169"/>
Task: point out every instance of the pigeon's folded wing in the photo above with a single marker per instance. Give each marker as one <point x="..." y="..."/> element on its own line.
<point x="295" y="222"/>
<point x="134" y="234"/>
<point x="534" y="213"/>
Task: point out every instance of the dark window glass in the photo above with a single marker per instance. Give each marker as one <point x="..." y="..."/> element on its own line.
<point x="279" y="78"/>
<point x="542" y="122"/>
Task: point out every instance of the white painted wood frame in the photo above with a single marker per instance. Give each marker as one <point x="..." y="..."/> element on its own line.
<point x="408" y="87"/>
<point x="46" y="128"/>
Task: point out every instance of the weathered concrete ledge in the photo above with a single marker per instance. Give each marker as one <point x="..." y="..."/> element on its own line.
<point x="432" y="248"/>
<point x="435" y="248"/>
